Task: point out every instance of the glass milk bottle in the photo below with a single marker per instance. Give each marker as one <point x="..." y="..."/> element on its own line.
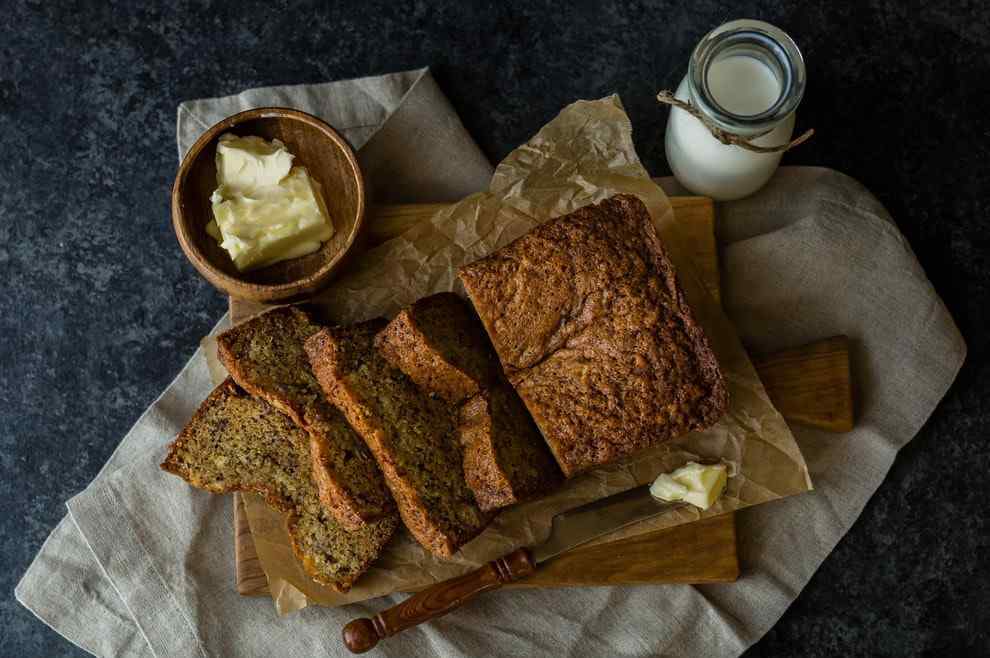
<point x="745" y="79"/>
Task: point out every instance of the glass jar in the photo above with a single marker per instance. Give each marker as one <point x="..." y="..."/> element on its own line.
<point x="745" y="77"/>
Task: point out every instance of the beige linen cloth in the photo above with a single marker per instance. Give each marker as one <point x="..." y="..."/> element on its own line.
<point x="143" y="564"/>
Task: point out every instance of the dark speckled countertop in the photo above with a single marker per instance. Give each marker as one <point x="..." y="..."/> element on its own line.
<point x="899" y="94"/>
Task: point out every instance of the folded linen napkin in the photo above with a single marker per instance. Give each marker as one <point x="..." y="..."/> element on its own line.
<point x="143" y="564"/>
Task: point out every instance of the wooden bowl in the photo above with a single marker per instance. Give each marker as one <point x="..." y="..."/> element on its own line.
<point x="329" y="159"/>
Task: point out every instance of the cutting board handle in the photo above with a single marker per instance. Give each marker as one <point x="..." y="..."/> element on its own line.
<point x="437" y="600"/>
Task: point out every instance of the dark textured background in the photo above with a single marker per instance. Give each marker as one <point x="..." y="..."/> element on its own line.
<point x="99" y="310"/>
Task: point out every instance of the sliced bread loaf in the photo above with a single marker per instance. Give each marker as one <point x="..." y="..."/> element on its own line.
<point x="236" y="442"/>
<point x="441" y="345"/>
<point x="596" y="335"/>
<point x="411" y="433"/>
<point x="265" y="357"/>
<point x="506" y="460"/>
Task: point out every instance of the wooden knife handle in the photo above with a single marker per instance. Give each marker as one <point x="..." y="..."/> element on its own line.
<point x="437" y="600"/>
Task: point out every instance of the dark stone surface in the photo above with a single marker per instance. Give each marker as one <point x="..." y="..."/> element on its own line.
<point x="99" y="310"/>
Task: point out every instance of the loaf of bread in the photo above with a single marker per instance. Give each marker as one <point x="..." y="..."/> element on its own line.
<point x="236" y="442"/>
<point x="440" y="344"/>
<point x="506" y="461"/>
<point x="411" y="433"/>
<point x="265" y="356"/>
<point x="594" y="332"/>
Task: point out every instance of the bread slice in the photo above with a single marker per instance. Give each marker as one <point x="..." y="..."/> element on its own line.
<point x="235" y="442"/>
<point x="595" y="334"/>
<point x="411" y="433"/>
<point x="440" y="344"/>
<point x="506" y="460"/>
<point x="265" y="357"/>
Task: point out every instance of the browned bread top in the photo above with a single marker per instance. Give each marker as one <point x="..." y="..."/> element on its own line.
<point x="235" y="442"/>
<point x="265" y="356"/>
<point x="440" y="344"/>
<point x="411" y="433"/>
<point x="506" y="460"/>
<point x="593" y="330"/>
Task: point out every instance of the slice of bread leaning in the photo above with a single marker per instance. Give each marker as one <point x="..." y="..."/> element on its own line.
<point x="411" y="433"/>
<point x="265" y="357"/>
<point x="506" y="460"/>
<point x="235" y="442"/>
<point x="441" y="345"/>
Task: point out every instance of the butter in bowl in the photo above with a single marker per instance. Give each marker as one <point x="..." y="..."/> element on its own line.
<point x="268" y="203"/>
<point x="264" y="209"/>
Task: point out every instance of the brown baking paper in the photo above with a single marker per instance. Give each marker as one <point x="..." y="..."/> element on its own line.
<point x="584" y="155"/>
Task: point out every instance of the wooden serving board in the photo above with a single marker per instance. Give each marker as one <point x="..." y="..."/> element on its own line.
<point x="808" y="384"/>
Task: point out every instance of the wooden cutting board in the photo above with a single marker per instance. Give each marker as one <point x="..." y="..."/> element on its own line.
<point x="808" y="384"/>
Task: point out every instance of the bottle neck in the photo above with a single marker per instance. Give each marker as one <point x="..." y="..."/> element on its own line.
<point x="746" y="77"/>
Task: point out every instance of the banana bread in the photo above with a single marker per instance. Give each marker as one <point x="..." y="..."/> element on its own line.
<point x="594" y="332"/>
<point x="506" y="461"/>
<point x="440" y="344"/>
<point x="265" y="357"/>
<point x="411" y="433"/>
<point x="236" y="442"/>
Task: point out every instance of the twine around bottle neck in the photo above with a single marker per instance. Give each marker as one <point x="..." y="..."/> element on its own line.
<point x="730" y="138"/>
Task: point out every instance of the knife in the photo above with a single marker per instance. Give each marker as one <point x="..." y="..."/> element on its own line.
<point x="569" y="529"/>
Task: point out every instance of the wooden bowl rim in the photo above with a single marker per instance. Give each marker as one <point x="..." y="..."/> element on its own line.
<point x="232" y="284"/>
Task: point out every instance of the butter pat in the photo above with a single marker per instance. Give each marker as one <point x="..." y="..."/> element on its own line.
<point x="246" y="164"/>
<point x="264" y="209"/>
<point x="694" y="483"/>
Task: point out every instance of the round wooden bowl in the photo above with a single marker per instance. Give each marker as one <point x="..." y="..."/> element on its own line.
<point x="330" y="161"/>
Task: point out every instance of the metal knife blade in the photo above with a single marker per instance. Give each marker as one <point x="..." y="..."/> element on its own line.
<point x="582" y="524"/>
